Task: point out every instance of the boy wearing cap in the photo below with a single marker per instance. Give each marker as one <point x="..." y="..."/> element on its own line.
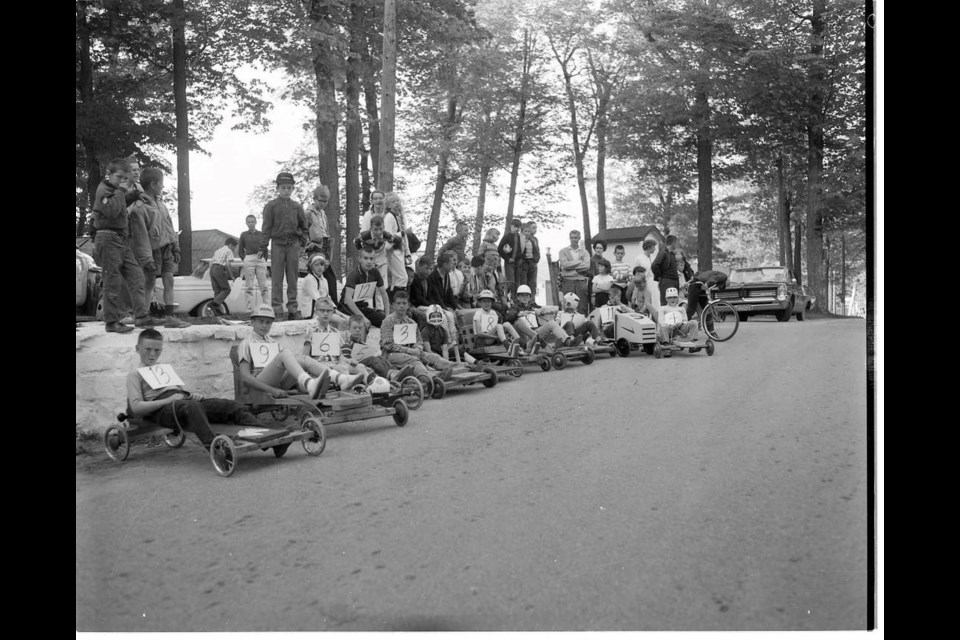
<point x="672" y="321"/>
<point x="173" y="406"/>
<point x="575" y="323"/>
<point x="285" y="226"/>
<point x="488" y="329"/>
<point x="285" y="370"/>
<point x="524" y="315"/>
<point x="416" y="351"/>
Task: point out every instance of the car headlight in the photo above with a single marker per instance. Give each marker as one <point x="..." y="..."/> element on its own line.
<point x="782" y="292"/>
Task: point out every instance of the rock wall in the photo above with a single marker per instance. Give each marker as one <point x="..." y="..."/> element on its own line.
<point x="200" y="355"/>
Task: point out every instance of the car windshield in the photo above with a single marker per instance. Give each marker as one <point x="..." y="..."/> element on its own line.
<point x="767" y="274"/>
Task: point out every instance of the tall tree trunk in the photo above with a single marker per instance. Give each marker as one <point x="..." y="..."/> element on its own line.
<point x="705" y="183"/>
<point x="578" y="155"/>
<point x="783" y="210"/>
<point x="815" y="142"/>
<point x="442" y="176"/>
<point x="326" y="112"/>
<point x="601" y="162"/>
<point x="183" y="137"/>
<point x="364" y="178"/>
<point x="843" y="273"/>
<point x="373" y="123"/>
<point x="521" y="128"/>
<point x="827" y="273"/>
<point x="797" y="252"/>
<point x="354" y="131"/>
<point x="85" y="88"/>
<point x="481" y="205"/>
<point x="388" y="85"/>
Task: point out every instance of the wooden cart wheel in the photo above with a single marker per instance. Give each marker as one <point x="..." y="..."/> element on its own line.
<point x="116" y="444"/>
<point x="589" y="356"/>
<point x="402" y="413"/>
<point x="439" y="389"/>
<point x="412" y="391"/>
<point x="223" y="455"/>
<point x="517" y="370"/>
<point x="657" y="351"/>
<point x="623" y="347"/>
<point x="427" y="383"/>
<point x="493" y="379"/>
<point x="545" y="363"/>
<point x="175" y="440"/>
<point x="710" y="347"/>
<point x="559" y="361"/>
<point x="315" y="444"/>
<point x="280" y="449"/>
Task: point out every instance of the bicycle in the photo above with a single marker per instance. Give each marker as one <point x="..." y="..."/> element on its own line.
<point x="718" y="319"/>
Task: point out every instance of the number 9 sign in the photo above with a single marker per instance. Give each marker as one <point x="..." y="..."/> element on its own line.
<point x="261" y="353"/>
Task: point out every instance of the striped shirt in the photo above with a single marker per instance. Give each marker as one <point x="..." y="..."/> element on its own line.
<point x="223" y="256"/>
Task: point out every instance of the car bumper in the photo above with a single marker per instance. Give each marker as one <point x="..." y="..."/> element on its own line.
<point x="746" y="306"/>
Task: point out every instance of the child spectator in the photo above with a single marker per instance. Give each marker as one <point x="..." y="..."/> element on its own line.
<point x="254" y="266"/>
<point x="458" y="243"/>
<point x="575" y="323"/>
<point x="314" y="286"/>
<point x="697" y="291"/>
<point x="602" y="282"/>
<point x="283" y="370"/>
<point x="357" y="337"/>
<point x="398" y="250"/>
<point x="602" y="316"/>
<point x="377" y="208"/>
<point x="379" y="241"/>
<point x="620" y="270"/>
<point x="364" y="286"/>
<point x="221" y="276"/>
<point x="638" y="293"/>
<point x="511" y="250"/>
<point x="285" y="226"/>
<point x="113" y="253"/>
<point x="673" y="320"/>
<point x="467" y="292"/>
<point x="173" y="406"/>
<point x="488" y="250"/>
<point x="488" y="328"/>
<point x="441" y="290"/>
<point x="407" y="347"/>
<point x="531" y="257"/>
<point x="318" y="238"/>
<point x="523" y="314"/>
<point x="152" y="228"/>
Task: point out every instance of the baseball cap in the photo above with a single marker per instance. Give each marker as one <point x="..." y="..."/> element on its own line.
<point x="486" y="293"/>
<point x="285" y="177"/>
<point x="672" y="293"/>
<point x="264" y="311"/>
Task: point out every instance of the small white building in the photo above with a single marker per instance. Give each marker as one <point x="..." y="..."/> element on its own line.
<point x="632" y="240"/>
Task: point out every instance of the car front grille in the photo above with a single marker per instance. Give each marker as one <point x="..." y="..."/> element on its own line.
<point x="762" y="293"/>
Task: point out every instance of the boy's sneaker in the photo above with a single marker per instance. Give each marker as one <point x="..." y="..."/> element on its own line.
<point x="577" y="341"/>
<point x="118" y="327"/>
<point x="590" y="342"/>
<point x="317" y="387"/>
<point x="513" y="350"/>
<point x="172" y="322"/>
<point x="405" y="372"/>
<point x="371" y="377"/>
<point x="347" y="382"/>
<point x="533" y="345"/>
<point x="534" y="350"/>
<point x="145" y="322"/>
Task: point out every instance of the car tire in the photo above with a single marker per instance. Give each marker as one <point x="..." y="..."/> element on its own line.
<point x="743" y="315"/>
<point x="802" y="315"/>
<point x="208" y="310"/>
<point x="94" y="289"/>
<point x="784" y="314"/>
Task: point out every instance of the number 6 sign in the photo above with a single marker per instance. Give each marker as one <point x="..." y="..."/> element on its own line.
<point x="159" y="376"/>
<point x="325" y="343"/>
<point x="261" y="353"/>
<point x="405" y="334"/>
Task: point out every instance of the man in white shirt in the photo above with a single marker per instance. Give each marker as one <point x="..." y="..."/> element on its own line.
<point x="574" y="262"/>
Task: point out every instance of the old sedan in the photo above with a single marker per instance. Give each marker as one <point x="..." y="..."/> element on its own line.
<point x="766" y="290"/>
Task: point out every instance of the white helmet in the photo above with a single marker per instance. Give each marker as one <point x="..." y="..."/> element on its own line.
<point x="434" y="315"/>
<point x="524" y="289"/>
<point x="672" y="293"/>
<point x="572" y="298"/>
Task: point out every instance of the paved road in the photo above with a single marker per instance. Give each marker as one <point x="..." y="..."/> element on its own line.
<point x="695" y="493"/>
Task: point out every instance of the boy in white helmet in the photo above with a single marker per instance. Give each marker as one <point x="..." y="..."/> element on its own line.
<point x="488" y="328"/>
<point x="435" y="334"/>
<point x="274" y="370"/>
<point x="575" y="323"/>
<point x="523" y="314"/>
<point x="672" y="320"/>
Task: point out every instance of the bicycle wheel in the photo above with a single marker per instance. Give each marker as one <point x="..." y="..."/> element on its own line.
<point x="719" y="320"/>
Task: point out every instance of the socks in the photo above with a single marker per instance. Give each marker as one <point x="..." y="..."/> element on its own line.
<point x="168" y="309"/>
<point x="302" y="380"/>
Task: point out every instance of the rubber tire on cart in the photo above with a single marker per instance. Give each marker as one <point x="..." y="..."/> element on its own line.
<point x="439" y="389"/>
<point x="402" y="412"/>
<point x="657" y="351"/>
<point x="589" y="356"/>
<point x="175" y="440"/>
<point x="427" y="386"/>
<point x="122" y="449"/>
<point x="623" y="347"/>
<point x="280" y="449"/>
<point x="413" y="393"/>
<point x="544" y="362"/>
<point x="517" y="370"/>
<point x="559" y="361"/>
<point x="710" y="347"/>
<point x="492" y="381"/>
<point x="223" y="456"/>
<point x="314" y="445"/>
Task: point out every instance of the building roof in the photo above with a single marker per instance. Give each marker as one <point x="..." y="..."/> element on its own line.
<point x="627" y="234"/>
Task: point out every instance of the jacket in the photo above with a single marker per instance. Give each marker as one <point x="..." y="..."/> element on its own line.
<point x="439" y="292"/>
<point x="110" y="209"/>
<point x="665" y="266"/>
<point x="284" y="222"/>
<point x="516" y="247"/>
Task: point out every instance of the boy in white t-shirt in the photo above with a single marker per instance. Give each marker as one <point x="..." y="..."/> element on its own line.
<point x="672" y="320"/>
<point x="488" y="328"/>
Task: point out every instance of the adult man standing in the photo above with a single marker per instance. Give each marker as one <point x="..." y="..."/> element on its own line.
<point x="574" y="264"/>
<point x="665" y="269"/>
<point x="285" y="226"/>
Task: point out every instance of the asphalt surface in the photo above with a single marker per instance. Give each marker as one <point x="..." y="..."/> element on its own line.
<point x="690" y="493"/>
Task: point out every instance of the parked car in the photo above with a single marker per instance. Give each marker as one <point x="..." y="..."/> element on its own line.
<point x="89" y="284"/>
<point x="766" y="290"/>
<point x="193" y="294"/>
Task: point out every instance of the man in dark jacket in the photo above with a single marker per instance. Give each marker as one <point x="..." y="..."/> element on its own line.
<point x="664" y="269"/>
<point x="697" y="289"/>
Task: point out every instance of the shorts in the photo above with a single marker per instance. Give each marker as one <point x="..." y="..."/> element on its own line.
<point x="163" y="259"/>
